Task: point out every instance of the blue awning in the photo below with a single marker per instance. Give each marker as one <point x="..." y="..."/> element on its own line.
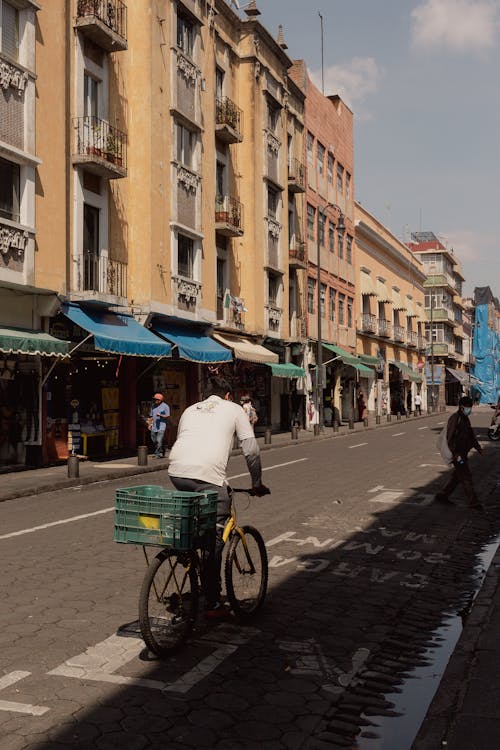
<point x="192" y="343"/>
<point x="116" y="333"/>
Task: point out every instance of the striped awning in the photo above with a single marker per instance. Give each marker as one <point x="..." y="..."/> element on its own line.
<point x="410" y="310"/>
<point x="382" y="292"/>
<point x="367" y="285"/>
<point x="23" y="341"/>
<point x="397" y="301"/>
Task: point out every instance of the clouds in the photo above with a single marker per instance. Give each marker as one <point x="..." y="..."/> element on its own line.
<point x="353" y="81"/>
<point x="461" y="26"/>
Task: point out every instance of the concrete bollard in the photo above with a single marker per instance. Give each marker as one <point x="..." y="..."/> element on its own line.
<point x="398" y="416"/>
<point x="336" y="427"/>
<point x="389" y="417"/>
<point x="351" y="424"/>
<point x="316" y="429"/>
<point x="267" y="436"/>
<point x="365" y="422"/>
<point x="295" y="432"/>
<point x="377" y="419"/>
<point x="142" y="455"/>
<point x="73" y="466"/>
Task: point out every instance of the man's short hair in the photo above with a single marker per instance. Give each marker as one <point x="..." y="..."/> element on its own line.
<point x="217" y="386"/>
<point x="465" y="401"/>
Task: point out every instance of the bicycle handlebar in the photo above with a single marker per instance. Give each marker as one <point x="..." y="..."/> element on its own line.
<point x="249" y="491"/>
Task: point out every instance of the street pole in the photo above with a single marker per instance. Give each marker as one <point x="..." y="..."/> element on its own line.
<point x="432" y="348"/>
<point x="319" y="356"/>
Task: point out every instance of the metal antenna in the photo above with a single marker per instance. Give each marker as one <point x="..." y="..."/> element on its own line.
<point x="322" y="58"/>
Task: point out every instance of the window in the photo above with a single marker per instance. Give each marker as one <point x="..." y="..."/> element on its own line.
<point x="330" y="168"/>
<point x="310" y="221"/>
<point x="322" y="299"/>
<point x="331" y="237"/>
<point x="10" y="30"/>
<point x="321" y="228"/>
<point x="311" y="288"/>
<point x="90" y="96"/>
<point x="272" y="202"/>
<point x="185" y="256"/>
<point x="341" y="309"/>
<point x="185" y="36"/>
<point x="349" y="312"/>
<point x="331" y="304"/>
<point x="186" y="141"/>
<point x="273" y="117"/>
<point x="340" y="178"/>
<point x="90" y="229"/>
<point x="273" y="289"/>
<point x="348" y="250"/>
<point x="220" y="181"/>
<point x="340" y="243"/>
<point x="320" y="159"/>
<point x="219" y="83"/>
<point x="221" y="287"/>
<point x="310" y="146"/>
<point x="9" y="190"/>
<point x="347" y="185"/>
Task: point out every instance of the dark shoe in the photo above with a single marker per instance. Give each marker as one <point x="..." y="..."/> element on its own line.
<point x="218" y="611"/>
<point x="444" y="499"/>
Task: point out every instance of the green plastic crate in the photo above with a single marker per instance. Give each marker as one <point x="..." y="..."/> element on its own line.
<point x="153" y="515"/>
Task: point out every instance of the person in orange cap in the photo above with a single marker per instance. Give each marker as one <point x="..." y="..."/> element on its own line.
<point x="159" y="415"/>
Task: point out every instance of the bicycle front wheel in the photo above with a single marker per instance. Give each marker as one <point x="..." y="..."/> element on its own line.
<point x="168" y="602"/>
<point x="246" y="572"/>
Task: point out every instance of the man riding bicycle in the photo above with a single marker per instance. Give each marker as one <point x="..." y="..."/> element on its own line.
<point x="198" y="462"/>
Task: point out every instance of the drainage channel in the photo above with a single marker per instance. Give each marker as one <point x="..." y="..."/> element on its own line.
<point x="409" y="706"/>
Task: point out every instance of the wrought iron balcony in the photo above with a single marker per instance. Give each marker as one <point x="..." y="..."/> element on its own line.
<point x="97" y="273"/>
<point x="228" y="216"/>
<point x="384" y="328"/>
<point x="368" y="323"/>
<point x="296" y="176"/>
<point x="101" y="148"/>
<point x="228" y="120"/>
<point x="104" y="22"/>
<point x="412" y="338"/>
<point x="399" y="333"/>
<point x="297" y="254"/>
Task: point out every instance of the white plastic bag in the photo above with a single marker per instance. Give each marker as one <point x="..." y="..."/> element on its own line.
<point x="443" y="448"/>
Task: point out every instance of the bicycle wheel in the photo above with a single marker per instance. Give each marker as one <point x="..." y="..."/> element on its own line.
<point x="168" y="602"/>
<point x="246" y="572"/>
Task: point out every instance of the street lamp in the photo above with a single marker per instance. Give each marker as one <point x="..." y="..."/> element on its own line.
<point x="319" y="357"/>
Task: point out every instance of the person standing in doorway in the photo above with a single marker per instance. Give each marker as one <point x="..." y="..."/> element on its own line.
<point x="418" y="404"/>
<point x="408" y="402"/>
<point x="361" y="405"/>
<point x="159" y="415"/>
<point x="460" y="438"/>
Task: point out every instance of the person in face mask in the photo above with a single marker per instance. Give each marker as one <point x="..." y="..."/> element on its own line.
<point x="461" y="439"/>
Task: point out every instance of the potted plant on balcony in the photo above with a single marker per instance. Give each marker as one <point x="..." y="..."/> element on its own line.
<point x="86" y="7"/>
<point x="95" y="139"/>
<point x="113" y="149"/>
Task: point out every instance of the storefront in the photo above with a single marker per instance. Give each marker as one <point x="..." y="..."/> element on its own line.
<point x="25" y="357"/>
<point x="348" y="376"/>
<point x="404" y="383"/>
<point x="91" y="402"/>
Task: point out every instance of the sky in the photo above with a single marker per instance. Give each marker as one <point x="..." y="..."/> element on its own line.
<point x="422" y="78"/>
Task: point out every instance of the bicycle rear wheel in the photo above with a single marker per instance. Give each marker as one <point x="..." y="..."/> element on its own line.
<point x="168" y="602"/>
<point x="246" y="572"/>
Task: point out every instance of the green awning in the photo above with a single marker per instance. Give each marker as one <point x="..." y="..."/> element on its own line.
<point x="367" y="359"/>
<point x="23" y="341"/>
<point x="406" y="370"/>
<point x="351" y="360"/>
<point x="287" y="371"/>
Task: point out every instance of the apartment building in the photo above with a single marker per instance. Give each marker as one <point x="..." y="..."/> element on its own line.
<point x="445" y="371"/>
<point x="329" y="285"/>
<point x="390" y="317"/>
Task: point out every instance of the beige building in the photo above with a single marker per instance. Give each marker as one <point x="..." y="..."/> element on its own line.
<point x="390" y="317"/>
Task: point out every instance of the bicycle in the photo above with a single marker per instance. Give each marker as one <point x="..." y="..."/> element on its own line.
<point x="170" y="592"/>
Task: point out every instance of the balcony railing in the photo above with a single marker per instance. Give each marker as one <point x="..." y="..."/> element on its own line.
<point x="100" y="147"/>
<point x="228" y="120"/>
<point x="421" y="342"/>
<point x="412" y="338"/>
<point x="103" y="21"/>
<point x="229" y="216"/>
<point x="297" y="254"/>
<point x="399" y="333"/>
<point x="368" y="323"/>
<point x="296" y="176"/>
<point x="97" y="273"/>
<point x="384" y="328"/>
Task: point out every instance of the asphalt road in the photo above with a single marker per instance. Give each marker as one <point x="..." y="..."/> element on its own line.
<point x="369" y="582"/>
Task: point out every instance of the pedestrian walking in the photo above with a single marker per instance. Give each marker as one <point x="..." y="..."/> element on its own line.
<point x="461" y="439"/>
<point x="158" y="418"/>
<point x="418" y="404"/>
<point x="361" y="405"/>
<point x="249" y="409"/>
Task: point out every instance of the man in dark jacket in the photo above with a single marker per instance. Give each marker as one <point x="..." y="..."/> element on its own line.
<point x="461" y="440"/>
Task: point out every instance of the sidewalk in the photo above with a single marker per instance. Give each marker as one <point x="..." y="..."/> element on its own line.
<point x="37" y="481"/>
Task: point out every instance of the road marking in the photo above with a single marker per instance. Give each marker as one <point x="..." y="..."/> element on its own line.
<point x="440" y="422"/>
<point x="19" y="708"/>
<point x="422" y="466"/>
<point x="377" y="488"/>
<point x="423" y="428"/>
<point x="396" y="434"/>
<point x="110" y="509"/>
<point x="388" y="496"/>
<point x="358" y="445"/>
